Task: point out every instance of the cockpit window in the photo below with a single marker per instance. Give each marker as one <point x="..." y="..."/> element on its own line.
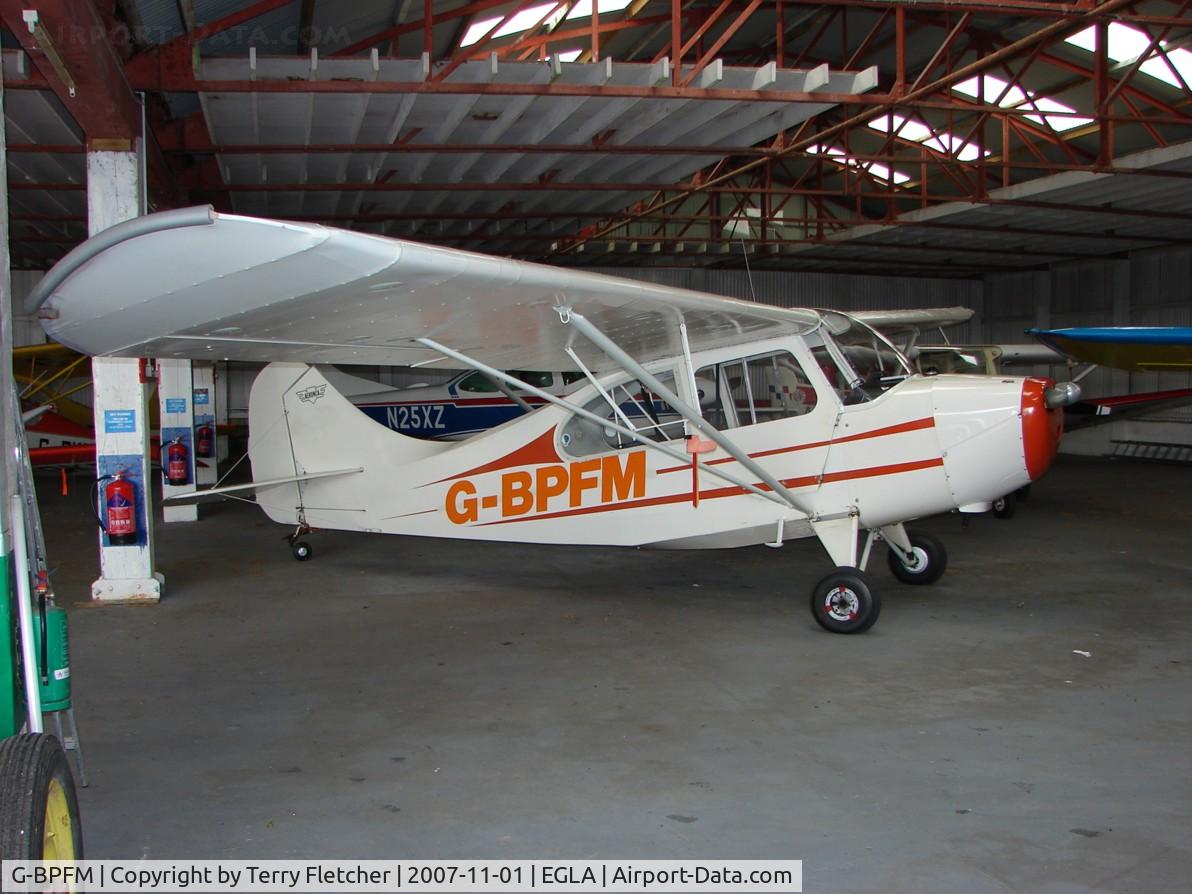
<point x="859" y="363"/>
<point x="754" y="389"/>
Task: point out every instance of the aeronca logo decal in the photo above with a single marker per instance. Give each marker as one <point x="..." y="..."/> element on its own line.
<point x="557" y="486"/>
<point x="312" y="394"/>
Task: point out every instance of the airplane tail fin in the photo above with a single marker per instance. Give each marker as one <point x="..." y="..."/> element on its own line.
<point x="301" y="429"/>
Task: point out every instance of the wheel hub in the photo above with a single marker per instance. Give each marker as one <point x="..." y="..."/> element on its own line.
<point x="916" y="561"/>
<point x="842" y="604"/>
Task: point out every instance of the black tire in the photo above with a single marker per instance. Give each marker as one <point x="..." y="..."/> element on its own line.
<point x="931" y="560"/>
<point x="842" y="602"/>
<point x="36" y="786"/>
<point x="302" y="551"/>
<point x="1005" y="507"/>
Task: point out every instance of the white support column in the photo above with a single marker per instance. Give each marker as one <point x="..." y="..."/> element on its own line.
<point x="121" y="408"/>
<point x="174" y="393"/>
<point x="223" y="390"/>
<point x="206" y="443"/>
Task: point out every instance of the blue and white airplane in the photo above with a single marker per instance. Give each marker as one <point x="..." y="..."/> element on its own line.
<point x="463" y="406"/>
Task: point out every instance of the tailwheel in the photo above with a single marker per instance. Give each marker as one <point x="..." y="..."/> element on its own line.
<point x="925" y="564"/>
<point x="301" y="549"/>
<point x="843" y="603"/>
<point x="39" y="812"/>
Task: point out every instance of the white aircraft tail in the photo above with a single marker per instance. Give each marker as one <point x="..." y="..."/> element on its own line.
<point x="301" y="430"/>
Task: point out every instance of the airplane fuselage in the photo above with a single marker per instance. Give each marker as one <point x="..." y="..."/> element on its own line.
<point x="924" y="446"/>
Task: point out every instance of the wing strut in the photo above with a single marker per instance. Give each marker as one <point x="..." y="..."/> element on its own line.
<point x="592" y="417"/>
<point x="613" y="350"/>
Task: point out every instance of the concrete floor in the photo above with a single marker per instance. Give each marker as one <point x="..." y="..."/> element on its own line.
<point x="405" y="698"/>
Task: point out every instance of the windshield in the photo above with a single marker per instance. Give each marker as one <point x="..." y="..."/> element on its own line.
<point x="858" y="361"/>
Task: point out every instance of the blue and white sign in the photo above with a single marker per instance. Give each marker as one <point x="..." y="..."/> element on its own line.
<point x="202" y="396"/>
<point x="175" y="404"/>
<point x="117" y="422"/>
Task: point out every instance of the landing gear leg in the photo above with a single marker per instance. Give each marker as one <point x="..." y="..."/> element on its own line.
<point x="914" y="557"/>
<point x="301" y="549"/>
<point x="842" y="602"/>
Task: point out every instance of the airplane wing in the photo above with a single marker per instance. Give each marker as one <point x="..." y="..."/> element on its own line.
<point x="1137" y="348"/>
<point x="890" y="321"/>
<point x="203" y="285"/>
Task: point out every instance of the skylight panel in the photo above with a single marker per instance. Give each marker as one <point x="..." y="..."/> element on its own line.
<point x="840" y="157"/>
<point x="993" y="89"/>
<point x="910" y="129"/>
<point x="1016" y="98"/>
<point x="583" y="8"/>
<point x="521" y="21"/>
<point x="568" y="55"/>
<point x="1126" y="44"/>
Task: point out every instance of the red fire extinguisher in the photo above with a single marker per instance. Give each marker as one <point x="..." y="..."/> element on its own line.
<point x="177" y="465"/>
<point x="120" y="511"/>
<point x="204" y="441"/>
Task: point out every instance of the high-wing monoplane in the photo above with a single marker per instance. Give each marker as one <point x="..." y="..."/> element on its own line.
<point x="702" y="422"/>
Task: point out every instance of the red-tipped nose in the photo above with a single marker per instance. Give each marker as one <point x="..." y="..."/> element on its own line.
<point x="1041" y="427"/>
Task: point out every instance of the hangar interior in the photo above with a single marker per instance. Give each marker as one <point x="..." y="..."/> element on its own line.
<point x="1027" y="160"/>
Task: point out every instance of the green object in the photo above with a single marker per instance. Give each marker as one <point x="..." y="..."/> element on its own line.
<point x="12" y="708"/>
<point x="55" y="673"/>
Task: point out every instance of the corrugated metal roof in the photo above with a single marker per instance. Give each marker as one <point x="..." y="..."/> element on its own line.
<point x="432" y="119"/>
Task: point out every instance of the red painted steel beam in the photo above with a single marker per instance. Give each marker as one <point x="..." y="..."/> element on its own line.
<point x="559" y="36"/>
<point x="720" y="41"/>
<point x="176" y="58"/>
<point x="1054" y="30"/>
<point x="226" y="23"/>
<point x="103" y="105"/>
<point x="396" y="31"/>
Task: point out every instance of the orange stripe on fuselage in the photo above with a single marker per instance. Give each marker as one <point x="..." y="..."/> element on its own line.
<point x="539" y="451"/>
<point x="915" y="425"/>
<point x="716" y="493"/>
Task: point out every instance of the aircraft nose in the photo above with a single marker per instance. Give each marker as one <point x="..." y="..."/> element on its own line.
<point x="1041" y="427"/>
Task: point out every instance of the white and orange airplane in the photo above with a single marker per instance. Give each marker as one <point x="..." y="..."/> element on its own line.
<point x="704" y="421"/>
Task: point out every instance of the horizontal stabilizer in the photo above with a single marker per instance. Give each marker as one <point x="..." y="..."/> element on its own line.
<point x="256" y="485"/>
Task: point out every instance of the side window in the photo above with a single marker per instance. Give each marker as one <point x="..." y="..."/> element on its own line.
<point x="755" y="389"/>
<point x="477" y="383"/>
<point x="537" y="379"/>
<point x="644" y="410"/>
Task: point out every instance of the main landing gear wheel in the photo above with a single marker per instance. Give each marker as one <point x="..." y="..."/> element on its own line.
<point x="842" y="602"/>
<point x="302" y="551"/>
<point x="1005" y="507"/>
<point x="926" y="563"/>
<point x="39" y="812"/>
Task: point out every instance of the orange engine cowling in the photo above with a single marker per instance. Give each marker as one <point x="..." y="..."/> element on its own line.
<point x="1042" y="427"/>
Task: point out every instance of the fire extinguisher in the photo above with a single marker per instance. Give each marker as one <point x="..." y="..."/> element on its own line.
<point x="119" y="515"/>
<point x="204" y="441"/>
<point x="177" y="465"/>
